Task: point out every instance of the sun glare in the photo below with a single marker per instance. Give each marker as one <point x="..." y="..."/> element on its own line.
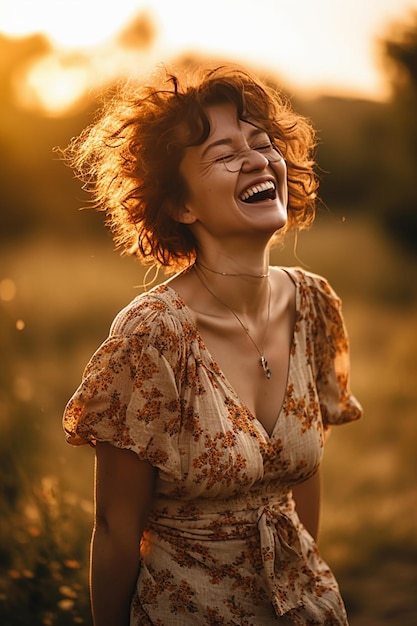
<point x="67" y="23"/>
<point x="325" y="46"/>
<point x="50" y="85"/>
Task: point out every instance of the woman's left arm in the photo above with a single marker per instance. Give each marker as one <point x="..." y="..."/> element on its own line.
<point x="307" y="496"/>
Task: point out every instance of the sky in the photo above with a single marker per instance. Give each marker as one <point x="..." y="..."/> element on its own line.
<point x="315" y="46"/>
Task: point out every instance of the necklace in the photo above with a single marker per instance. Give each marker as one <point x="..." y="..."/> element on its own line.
<point x="262" y="360"/>
<point x="226" y="274"/>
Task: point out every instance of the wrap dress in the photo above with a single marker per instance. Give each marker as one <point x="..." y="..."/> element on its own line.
<point x="223" y="544"/>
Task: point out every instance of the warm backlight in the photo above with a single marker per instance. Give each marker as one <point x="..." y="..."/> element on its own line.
<point x="327" y="45"/>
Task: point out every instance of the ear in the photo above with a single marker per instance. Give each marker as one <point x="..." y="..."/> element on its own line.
<point x="184" y="215"/>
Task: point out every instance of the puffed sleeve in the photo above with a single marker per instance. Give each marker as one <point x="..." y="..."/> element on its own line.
<point x="330" y="354"/>
<point x="129" y="398"/>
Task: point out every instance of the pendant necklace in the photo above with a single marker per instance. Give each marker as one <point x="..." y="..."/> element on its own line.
<point x="262" y="360"/>
<point x="226" y="274"/>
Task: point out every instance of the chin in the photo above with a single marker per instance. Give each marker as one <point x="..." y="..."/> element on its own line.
<point x="280" y="219"/>
<point x="270" y="218"/>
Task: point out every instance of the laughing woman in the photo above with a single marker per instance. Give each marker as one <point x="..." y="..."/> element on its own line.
<point x="208" y="403"/>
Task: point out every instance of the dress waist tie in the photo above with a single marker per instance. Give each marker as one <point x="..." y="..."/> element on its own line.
<point x="286" y="570"/>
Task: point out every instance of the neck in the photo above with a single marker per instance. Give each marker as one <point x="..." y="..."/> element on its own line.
<point x="240" y="287"/>
<point x="235" y="264"/>
<point x="247" y="274"/>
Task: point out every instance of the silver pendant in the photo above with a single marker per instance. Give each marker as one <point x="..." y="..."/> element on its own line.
<point x="264" y="365"/>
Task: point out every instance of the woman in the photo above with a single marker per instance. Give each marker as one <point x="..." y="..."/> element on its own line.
<point x="208" y="403"/>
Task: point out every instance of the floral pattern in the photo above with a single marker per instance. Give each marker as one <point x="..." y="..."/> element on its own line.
<point x="223" y="544"/>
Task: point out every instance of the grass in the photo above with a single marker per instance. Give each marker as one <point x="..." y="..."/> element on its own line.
<point x="56" y="304"/>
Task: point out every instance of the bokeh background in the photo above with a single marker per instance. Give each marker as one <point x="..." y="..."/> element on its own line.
<point x="349" y="65"/>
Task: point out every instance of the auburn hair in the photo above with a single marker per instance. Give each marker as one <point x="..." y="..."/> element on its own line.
<point x="129" y="157"/>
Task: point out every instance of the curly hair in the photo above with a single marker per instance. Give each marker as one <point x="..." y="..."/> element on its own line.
<point x="129" y="157"/>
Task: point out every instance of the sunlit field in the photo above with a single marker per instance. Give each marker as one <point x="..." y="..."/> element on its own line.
<point x="56" y="305"/>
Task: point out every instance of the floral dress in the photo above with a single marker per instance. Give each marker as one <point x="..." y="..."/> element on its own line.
<point x="223" y="544"/>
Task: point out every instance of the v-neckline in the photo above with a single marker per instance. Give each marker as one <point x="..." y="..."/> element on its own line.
<point x="187" y="312"/>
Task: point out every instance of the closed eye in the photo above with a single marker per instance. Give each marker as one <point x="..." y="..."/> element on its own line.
<point x="226" y="157"/>
<point x="235" y="155"/>
<point x="264" y="147"/>
<point x="233" y="161"/>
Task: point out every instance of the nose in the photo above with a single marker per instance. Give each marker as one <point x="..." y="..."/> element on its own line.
<point x="254" y="160"/>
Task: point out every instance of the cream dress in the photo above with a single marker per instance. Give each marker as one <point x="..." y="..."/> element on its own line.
<point x="223" y="545"/>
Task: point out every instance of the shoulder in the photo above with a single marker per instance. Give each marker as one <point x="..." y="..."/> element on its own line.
<point x="160" y="306"/>
<point x="312" y="287"/>
<point x="160" y="317"/>
<point x="308" y="279"/>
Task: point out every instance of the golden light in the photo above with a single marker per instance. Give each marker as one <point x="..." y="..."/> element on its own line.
<point x="8" y="290"/>
<point x="314" y="47"/>
<point x="51" y="85"/>
<point x="67" y="23"/>
<point x="86" y="51"/>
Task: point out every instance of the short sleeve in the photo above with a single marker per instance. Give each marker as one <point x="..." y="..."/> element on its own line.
<point x="330" y="352"/>
<point x="128" y="397"/>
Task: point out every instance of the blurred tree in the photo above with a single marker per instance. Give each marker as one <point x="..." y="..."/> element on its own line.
<point x="400" y="48"/>
<point x="350" y="153"/>
<point x="37" y="194"/>
<point x="399" y="59"/>
<point x="13" y="54"/>
<point x="140" y="33"/>
<point x="15" y="202"/>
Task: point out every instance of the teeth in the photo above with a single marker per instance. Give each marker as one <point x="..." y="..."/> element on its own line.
<point x="257" y="189"/>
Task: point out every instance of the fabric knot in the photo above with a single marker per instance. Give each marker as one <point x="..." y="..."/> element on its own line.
<point x="286" y="571"/>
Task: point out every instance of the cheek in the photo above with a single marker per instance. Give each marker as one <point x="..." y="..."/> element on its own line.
<point x="201" y="193"/>
<point x="280" y="169"/>
<point x="190" y="191"/>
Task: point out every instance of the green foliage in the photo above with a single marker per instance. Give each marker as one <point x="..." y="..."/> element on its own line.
<point x="43" y="524"/>
<point x="42" y="551"/>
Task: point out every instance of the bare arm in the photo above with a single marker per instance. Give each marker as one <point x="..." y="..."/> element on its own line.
<point x="307" y="496"/>
<point x="123" y="495"/>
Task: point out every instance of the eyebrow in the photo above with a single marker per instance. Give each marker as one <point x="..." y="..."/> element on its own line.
<point x="228" y="141"/>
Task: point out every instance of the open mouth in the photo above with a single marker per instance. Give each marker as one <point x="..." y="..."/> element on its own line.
<point x="259" y="193"/>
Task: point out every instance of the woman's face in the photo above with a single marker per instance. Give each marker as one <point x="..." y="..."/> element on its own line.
<point x="236" y="182"/>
